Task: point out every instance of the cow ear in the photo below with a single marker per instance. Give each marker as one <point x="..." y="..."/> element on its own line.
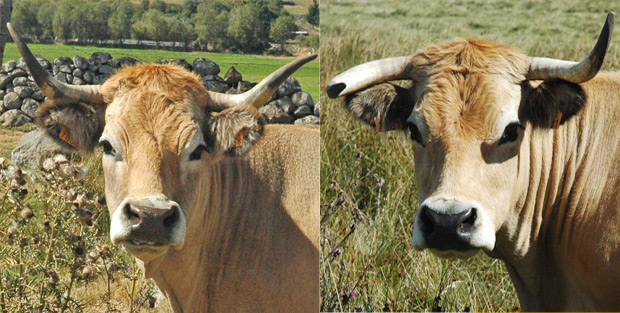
<point x="551" y="103"/>
<point x="75" y="126"/>
<point x="384" y="106"/>
<point x="233" y="131"/>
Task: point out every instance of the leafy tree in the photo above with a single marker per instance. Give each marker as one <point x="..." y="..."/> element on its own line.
<point x="180" y="30"/>
<point x="158" y="5"/>
<point x="45" y="18"/>
<point x="211" y="24"/>
<point x="283" y="28"/>
<point x="153" y="26"/>
<point x="60" y="23"/>
<point x="245" y="29"/>
<point x="24" y="17"/>
<point x="79" y="23"/>
<point x="313" y="14"/>
<point x="119" y="23"/>
<point x="98" y="13"/>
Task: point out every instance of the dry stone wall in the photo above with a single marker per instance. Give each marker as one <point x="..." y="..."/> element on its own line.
<point x="21" y="98"/>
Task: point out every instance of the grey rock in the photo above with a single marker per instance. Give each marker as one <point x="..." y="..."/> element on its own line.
<point x="69" y="78"/>
<point x="80" y="62"/>
<point x="78" y="73"/>
<point x="23" y="91"/>
<point x="302" y="98"/>
<point x="9" y="66"/>
<point x="78" y="81"/>
<point x="204" y="67"/>
<point x="62" y="77"/>
<point x="14" y="118"/>
<point x="317" y="109"/>
<point x="275" y="115"/>
<point x="65" y="69"/>
<point x="2" y="94"/>
<point x="100" y="79"/>
<point x="106" y="69"/>
<point x="44" y="63"/>
<point x="12" y="101"/>
<point x="285" y="104"/>
<point x="88" y="77"/>
<point x="245" y="85"/>
<point x="34" y="147"/>
<point x="308" y="120"/>
<point x="21" y="64"/>
<point x="183" y="63"/>
<point x="38" y="95"/>
<point x="288" y="88"/>
<point x="18" y="72"/>
<point x="20" y="81"/>
<point x="232" y="77"/>
<point x="100" y="58"/>
<point x="216" y="86"/>
<point x="232" y="91"/>
<point x="216" y="78"/>
<point x="30" y="107"/>
<point x="124" y="61"/>
<point x="9" y="88"/>
<point x="302" y="111"/>
<point x="4" y="80"/>
<point x="55" y="70"/>
<point x="62" y="61"/>
<point x="161" y="61"/>
<point x="93" y="67"/>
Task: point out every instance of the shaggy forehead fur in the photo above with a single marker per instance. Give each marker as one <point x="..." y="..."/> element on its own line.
<point x="468" y="83"/>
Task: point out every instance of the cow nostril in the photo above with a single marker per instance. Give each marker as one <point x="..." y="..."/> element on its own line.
<point x="467" y="224"/>
<point x="172" y="218"/>
<point x="132" y="213"/>
<point x="427" y="221"/>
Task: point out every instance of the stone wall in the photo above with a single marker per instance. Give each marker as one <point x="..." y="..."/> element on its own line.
<point x="21" y="97"/>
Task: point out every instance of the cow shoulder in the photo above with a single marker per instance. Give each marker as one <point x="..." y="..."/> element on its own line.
<point x="384" y="106"/>
<point x="551" y="102"/>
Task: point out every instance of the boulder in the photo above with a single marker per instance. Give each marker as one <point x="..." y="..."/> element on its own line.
<point x="78" y="73"/>
<point x="62" y="77"/>
<point x="88" y="77"/>
<point x="38" y="95"/>
<point x="317" y="109"/>
<point x="33" y="147"/>
<point x="20" y="81"/>
<point x="302" y="111"/>
<point x="30" y="107"/>
<point x="21" y="64"/>
<point x="80" y="62"/>
<point x="285" y="104"/>
<point x="204" y="67"/>
<point x="65" y="68"/>
<point x="245" y="85"/>
<point x="62" y="61"/>
<point x="44" y="63"/>
<point x="78" y="81"/>
<point x="106" y="69"/>
<point x="308" y="120"/>
<point x="100" y="58"/>
<point x="183" y="63"/>
<point x="288" y="88"/>
<point x="18" y="72"/>
<point x="302" y="98"/>
<point x="4" y="80"/>
<point x="93" y="67"/>
<point x="100" y="79"/>
<point x="232" y="77"/>
<point x="9" y="66"/>
<point x="216" y="86"/>
<point x="275" y="115"/>
<point x="216" y="78"/>
<point x="23" y="91"/>
<point x="14" y="118"/>
<point x="124" y="61"/>
<point x="161" y="61"/>
<point x="12" y="101"/>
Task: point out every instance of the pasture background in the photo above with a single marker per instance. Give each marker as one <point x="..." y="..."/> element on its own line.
<point x="368" y="188"/>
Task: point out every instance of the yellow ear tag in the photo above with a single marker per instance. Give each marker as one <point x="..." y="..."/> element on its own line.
<point x="65" y="135"/>
<point x="238" y="140"/>
<point x="557" y="120"/>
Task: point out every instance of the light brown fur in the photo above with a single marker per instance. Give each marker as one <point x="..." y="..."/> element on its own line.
<point x="553" y="197"/>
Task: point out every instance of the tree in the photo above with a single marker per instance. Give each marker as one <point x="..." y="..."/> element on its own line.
<point x="45" y="17"/>
<point x="25" y="17"/>
<point x="283" y="28"/>
<point x="60" y="23"/>
<point x="119" y="23"/>
<point x="98" y="13"/>
<point x="153" y="26"/>
<point x="313" y="14"/>
<point x="6" y="6"/>
<point x="180" y="30"/>
<point x="245" y="29"/>
<point x="211" y="24"/>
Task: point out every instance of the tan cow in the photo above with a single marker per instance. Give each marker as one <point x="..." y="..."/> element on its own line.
<point x="516" y="156"/>
<point x="221" y="210"/>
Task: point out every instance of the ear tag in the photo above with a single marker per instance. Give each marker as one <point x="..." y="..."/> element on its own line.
<point x="65" y="135"/>
<point x="557" y="120"/>
<point x="238" y="140"/>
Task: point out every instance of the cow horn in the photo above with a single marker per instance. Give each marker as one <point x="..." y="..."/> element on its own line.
<point x="260" y="94"/>
<point x="364" y="75"/>
<point x="544" y="68"/>
<point x="50" y="86"/>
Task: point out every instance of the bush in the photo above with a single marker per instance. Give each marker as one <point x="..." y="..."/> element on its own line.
<point x="311" y="41"/>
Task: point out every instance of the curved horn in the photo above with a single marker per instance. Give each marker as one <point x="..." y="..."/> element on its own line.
<point x="545" y="68"/>
<point x="364" y="75"/>
<point x="260" y="94"/>
<point x="50" y="86"/>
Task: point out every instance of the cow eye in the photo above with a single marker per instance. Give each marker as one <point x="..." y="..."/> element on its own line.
<point x="197" y="153"/>
<point x="511" y="133"/>
<point x="414" y="132"/>
<point x="107" y="147"/>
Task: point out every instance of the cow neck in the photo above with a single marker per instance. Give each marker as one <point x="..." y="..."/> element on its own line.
<point x="554" y="208"/>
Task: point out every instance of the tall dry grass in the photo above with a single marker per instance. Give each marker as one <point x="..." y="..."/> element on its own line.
<point x="367" y="179"/>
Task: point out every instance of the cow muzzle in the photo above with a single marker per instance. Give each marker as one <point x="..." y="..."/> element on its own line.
<point x="452" y="228"/>
<point x="148" y="226"/>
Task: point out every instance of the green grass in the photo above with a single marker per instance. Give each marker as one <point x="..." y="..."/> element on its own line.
<point x="375" y="267"/>
<point x="253" y="67"/>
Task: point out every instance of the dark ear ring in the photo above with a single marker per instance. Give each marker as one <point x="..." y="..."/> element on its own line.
<point x="76" y="126"/>
<point x="384" y="106"/>
<point x="233" y="131"/>
<point x="551" y="103"/>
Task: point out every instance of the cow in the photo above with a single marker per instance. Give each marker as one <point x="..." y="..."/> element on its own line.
<point x="221" y="210"/>
<point x="516" y="156"/>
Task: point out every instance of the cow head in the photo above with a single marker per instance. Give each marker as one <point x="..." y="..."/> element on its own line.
<point x="467" y="110"/>
<point x="160" y="131"/>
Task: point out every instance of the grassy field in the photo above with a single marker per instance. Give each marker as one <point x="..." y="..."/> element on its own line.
<point x="367" y="179"/>
<point x="252" y="67"/>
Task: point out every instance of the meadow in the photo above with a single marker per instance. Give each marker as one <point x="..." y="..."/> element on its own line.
<point x="368" y="187"/>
